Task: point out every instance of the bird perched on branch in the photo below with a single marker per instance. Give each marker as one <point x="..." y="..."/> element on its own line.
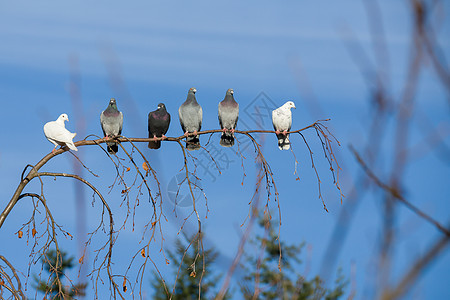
<point x="191" y="115"/>
<point x="228" y="117"/>
<point x="158" y="124"/>
<point x="56" y="133"/>
<point x="111" y="120"/>
<point x="282" y="121"/>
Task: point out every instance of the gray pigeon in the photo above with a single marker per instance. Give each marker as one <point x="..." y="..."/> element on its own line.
<point x="282" y="121"/>
<point x="191" y="115"/>
<point x="111" y="120"/>
<point x="158" y="124"/>
<point x="228" y="117"/>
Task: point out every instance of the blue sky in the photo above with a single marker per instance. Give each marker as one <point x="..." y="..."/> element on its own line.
<point x="158" y="51"/>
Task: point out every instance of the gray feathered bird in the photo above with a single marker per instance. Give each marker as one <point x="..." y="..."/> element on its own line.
<point x="282" y="121"/>
<point x="191" y="115"/>
<point x="228" y="117"/>
<point x="158" y="124"/>
<point x="111" y="120"/>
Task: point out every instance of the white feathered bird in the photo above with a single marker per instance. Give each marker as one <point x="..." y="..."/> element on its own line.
<point x="57" y="134"/>
<point x="282" y="121"/>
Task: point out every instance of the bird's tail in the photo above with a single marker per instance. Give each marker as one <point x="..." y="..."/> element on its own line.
<point x="283" y="142"/>
<point x="192" y="143"/>
<point x="154" y="144"/>
<point x="227" y="139"/>
<point x="113" y="148"/>
<point x="71" y="146"/>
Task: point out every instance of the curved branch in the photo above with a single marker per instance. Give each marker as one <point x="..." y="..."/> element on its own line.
<point x="111" y="221"/>
<point x="13" y="291"/>
<point x="416" y="269"/>
<point x="396" y="195"/>
<point x="33" y="172"/>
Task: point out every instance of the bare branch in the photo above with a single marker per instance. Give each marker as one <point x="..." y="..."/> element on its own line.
<point x="103" y="258"/>
<point x="396" y="194"/>
<point x="416" y="269"/>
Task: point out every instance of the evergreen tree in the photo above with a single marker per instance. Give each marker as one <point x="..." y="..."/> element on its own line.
<point x="287" y="284"/>
<point x="53" y="287"/>
<point x="273" y="284"/>
<point x="190" y="273"/>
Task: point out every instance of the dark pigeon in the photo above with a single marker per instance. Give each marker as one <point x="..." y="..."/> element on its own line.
<point x="158" y="124"/>
<point x="111" y="120"/>
<point x="228" y="117"/>
<point x="191" y="115"/>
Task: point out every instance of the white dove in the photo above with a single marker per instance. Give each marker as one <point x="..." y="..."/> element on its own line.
<point x="282" y="121"/>
<point x="56" y="133"/>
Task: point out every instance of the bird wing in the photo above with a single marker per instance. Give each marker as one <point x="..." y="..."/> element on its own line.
<point x="59" y="133"/>
<point x="102" y="120"/>
<point x="120" y="123"/>
<point x="180" y="116"/>
<point x="200" y="116"/>
<point x="237" y="116"/>
<point x="220" y="115"/>
<point x="275" y="119"/>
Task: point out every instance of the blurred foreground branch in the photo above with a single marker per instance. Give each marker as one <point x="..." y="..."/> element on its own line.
<point x="396" y="194"/>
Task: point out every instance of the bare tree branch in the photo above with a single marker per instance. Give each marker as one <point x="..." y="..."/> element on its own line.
<point x="394" y="192"/>
<point x="417" y="269"/>
<point x="103" y="258"/>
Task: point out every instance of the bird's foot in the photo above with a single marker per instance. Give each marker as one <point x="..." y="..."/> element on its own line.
<point x="163" y="137"/>
<point x="154" y="138"/>
<point x="186" y="133"/>
<point x="284" y="132"/>
<point x="277" y="131"/>
<point x="195" y="132"/>
<point x="224" y="130"/>
<point x="232" y="130"/>
<point x="53" y="151"/>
